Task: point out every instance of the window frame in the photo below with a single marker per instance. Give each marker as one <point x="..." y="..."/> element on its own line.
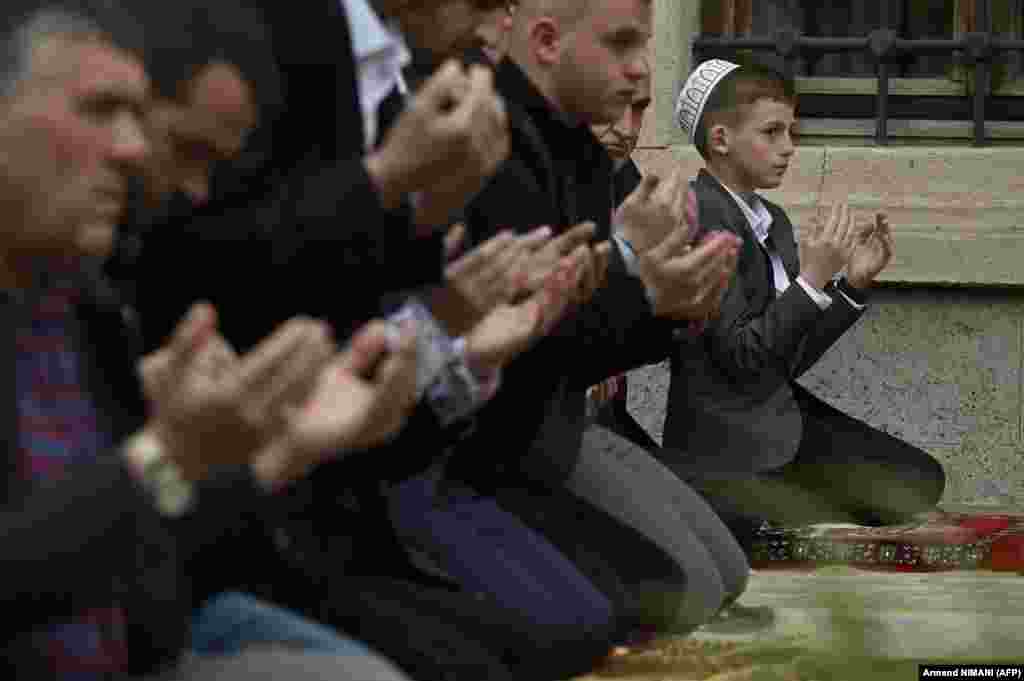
<point x="725" y="25"/>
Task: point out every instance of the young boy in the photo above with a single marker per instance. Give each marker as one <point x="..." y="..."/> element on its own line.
<point x="739" y="427"/>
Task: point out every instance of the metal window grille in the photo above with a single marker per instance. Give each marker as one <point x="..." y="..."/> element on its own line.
<point x="979" y="47"/>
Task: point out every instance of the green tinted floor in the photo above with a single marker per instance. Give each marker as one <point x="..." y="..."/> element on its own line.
<point x="838" y="622"/>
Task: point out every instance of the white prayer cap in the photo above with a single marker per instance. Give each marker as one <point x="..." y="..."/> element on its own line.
<point x="696" y="92"/>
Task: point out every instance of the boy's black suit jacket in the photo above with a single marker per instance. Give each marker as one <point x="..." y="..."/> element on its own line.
<point x="731" y="406"/>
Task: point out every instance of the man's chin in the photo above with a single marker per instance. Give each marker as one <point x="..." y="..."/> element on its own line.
<point x="96" y="240"/>
<point x="616" y="154"/>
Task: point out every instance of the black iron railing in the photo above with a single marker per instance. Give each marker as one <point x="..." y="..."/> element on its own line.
<point x="978" y="47"/>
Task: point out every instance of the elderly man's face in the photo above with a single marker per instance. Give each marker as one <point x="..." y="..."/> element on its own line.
<point x="620" y="138"/>
<point x="71" y="134"/>
<point x="208" y="124"/>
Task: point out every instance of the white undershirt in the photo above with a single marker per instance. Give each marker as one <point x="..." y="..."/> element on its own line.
<point x="760" y="221"/>
<point x="380" y="55"/>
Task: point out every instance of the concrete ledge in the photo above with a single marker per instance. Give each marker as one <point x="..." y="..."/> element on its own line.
<point x="956" y="211"/>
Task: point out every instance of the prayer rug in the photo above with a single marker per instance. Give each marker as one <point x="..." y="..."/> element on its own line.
<point x="936" y="541"/>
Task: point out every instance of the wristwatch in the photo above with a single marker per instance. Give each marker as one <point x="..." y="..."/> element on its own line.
<point x="160" y="475"/>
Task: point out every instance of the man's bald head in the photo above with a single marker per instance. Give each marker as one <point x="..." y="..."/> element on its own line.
<point x="566" y="12"/>
<point x="587" y="57"/>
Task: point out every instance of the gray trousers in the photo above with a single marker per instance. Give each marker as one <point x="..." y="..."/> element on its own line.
<point x="271" y="665"/>
<point x="629" y="484"/>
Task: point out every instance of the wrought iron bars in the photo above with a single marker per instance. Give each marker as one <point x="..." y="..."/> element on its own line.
<point x="979" y="47"/>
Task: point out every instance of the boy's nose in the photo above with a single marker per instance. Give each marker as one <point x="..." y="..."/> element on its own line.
<point x="788" y="145"/>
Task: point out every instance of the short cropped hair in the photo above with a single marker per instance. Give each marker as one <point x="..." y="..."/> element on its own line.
<point x="26" y="24"/>
<point x="185" y="36"/>
<point x="736" y="93"/>
<point x="567" y="11"/>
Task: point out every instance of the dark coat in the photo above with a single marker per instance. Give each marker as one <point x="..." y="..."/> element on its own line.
<point x="94" y="538"/>
<point x="298" y="203"/>
<point x="615" y="414"/>
<point x="298" y="229"/>
<point x="558" y="174"/>
<point x="731" y="407"/>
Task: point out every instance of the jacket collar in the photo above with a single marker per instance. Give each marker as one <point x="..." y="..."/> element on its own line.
<point x="780" y="227"/>
<point x="627" y="178"/>
<point x="557" y="128"/>
<point x="721" y="195"/>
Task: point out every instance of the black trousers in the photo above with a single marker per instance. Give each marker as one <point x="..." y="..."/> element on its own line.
<point x="344" y="565"/>
<point x="648" y="541"/>
<point x="615" y="417"/>
<point x="844" y="471"/>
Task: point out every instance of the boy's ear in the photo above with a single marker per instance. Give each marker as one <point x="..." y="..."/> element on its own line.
<point x="545" y="40"/>
<point x="719" y="139"/>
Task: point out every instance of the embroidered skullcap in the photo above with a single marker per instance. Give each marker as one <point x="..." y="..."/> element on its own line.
<point x="696" y="92"/>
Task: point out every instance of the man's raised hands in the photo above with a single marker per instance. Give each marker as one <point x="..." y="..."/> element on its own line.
<point x="211" y="408"/>
<point x="445" y="145"/>
<point x="360" y="399"/>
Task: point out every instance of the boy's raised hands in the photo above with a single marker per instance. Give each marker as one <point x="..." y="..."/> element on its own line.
<point x="826" y="247"/>
<point x="872" y="253"/>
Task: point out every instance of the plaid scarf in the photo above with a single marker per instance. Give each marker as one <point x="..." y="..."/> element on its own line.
<point x="58" y="427"/>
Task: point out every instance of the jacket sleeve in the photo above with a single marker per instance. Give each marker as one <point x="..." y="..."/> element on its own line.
<point x="616" y="330"/>
<point x="747" y="342"/>
<point x="330" y="216"/>
<point x="88" y="539"/>
<point x="316" y="241"/>
<point x="839" y="317"/>
<point x="749" y="337"/>
<point x="419" y="444"/>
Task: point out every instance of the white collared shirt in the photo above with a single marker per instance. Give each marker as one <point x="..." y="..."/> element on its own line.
<point x="380" y="54"/>
<point x="760" y="221"/>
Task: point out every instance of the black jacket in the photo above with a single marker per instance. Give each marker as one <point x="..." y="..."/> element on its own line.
<point x="731" y="407"/>
<point x="93" y="538"/>
<point x="615" y="414"/>
<point x="558" y="174"/>
<point x="298" y="229"/>
<point x="626" y="179"/>
<point x="299" y="203"/>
